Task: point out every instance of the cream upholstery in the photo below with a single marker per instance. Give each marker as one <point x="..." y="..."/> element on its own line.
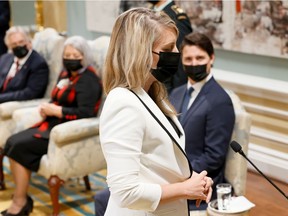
<point x="236" y="165"/>
<point x="48" y="43"/>
<point x="74" y="149"/>
<point x="99" y="48"/>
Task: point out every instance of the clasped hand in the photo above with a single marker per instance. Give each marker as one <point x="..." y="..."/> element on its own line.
<point x="50" y="109"/>
<point x="199" y="187"/>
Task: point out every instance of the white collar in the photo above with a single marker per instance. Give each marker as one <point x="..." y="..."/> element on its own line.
<point x="198" y="85"/>
<point x="161" y="7"/>
<point x="23" y="60"/>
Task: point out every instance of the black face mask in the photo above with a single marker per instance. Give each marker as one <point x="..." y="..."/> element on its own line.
<point x="153" y="2"/>
<point x="196" y="73"/>
<point x="167" y="66"/>
<point x="20" y="51"/>
<point x="72" y="64"/>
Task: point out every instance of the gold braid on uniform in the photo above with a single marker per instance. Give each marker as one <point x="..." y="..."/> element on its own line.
<point x="179" y="12"/>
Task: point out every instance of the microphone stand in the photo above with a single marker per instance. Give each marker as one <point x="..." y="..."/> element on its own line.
<point x="242" y="153"/>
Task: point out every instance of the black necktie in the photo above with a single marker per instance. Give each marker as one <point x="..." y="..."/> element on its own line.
<point x="185" y="103"/>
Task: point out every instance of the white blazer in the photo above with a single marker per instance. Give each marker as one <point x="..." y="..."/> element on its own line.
<point x="140" y="156"/>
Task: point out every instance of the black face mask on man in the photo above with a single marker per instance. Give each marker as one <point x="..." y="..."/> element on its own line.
<point x="20" y="51"/>
<point x="197" y="72"/>
<point x="72" y="64"/>
<point x="167" y="65"/>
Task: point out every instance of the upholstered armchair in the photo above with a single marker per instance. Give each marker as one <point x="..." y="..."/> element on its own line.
<point x="74" y="149"/>
<point x="236" y="166"/>
<point x="48" y="43"/>
<point x="99" y="48"/>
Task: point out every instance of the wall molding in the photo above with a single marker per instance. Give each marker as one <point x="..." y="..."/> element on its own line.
<point x="267" y="102"/>
<point x="271" y="162"/>
<point x="250" y="107"/>
<point x="269" y="135"/>
<point x="265" y="88"/>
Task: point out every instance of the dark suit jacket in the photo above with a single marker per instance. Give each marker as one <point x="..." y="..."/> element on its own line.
<point x="184" y="26"/>
<point x="29" y="83"/>
<point x="208" y="126"/>
<point x="4" y="23"/>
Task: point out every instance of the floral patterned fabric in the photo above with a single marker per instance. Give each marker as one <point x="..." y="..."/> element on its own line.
<point x="47" y="43"/>
<point x="236" y="165"/>
<point x="99" y="48"/>
<point x="74" y="148"/>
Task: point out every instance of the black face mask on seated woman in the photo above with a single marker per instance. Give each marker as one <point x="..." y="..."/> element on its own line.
<point x="72" y="64"/>
<point x="167" y="65"/>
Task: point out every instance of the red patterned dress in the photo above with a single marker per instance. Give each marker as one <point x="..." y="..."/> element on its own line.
<point x="79" y="96"/>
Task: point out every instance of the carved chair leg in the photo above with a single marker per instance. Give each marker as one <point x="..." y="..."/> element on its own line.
<point x="87" y="182"/>
<point x="2" y="183"/>
<point x="54" y="183"/>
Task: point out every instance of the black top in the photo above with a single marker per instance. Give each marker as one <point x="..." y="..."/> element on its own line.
<point x="81" y="98"/>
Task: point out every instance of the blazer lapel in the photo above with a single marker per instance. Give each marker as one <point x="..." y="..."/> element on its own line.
<point x="26" y="64"/>
<point x="158" y="113"/>
<point x="198" y="101"/>
<point x="180" y="99"/>
<point x="196" y="104"/>
<point x="5" y="69"/>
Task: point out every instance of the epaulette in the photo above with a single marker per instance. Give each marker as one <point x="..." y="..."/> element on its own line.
<point x="179" y="12"/>
<point x="177" y="9"/>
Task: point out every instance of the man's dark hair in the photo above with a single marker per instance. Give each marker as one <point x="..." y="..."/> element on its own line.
<point x="200" y="40"/>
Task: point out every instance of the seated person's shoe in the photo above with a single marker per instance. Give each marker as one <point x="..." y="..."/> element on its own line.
<point x="25" y="211"/>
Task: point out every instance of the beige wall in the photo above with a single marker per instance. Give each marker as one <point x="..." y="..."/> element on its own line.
<point x="54" y="15"/>
<point x="267" y="102"/>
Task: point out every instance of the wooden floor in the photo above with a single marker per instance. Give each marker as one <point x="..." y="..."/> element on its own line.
<point x="268" y="200"/>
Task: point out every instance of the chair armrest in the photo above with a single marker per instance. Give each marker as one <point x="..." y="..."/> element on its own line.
<point x="7" y="108"/>
<point x="74" y="130"/>
<point x="26" y="117"/>
<point x="74" y="150"/>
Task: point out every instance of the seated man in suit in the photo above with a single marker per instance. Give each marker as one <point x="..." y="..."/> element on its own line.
<point x="23" y="73"/>
<point x="206" y="111"/>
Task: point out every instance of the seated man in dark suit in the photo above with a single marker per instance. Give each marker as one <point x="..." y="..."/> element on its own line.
<point x="23" y="73"/>
<point x="206" y="111"/>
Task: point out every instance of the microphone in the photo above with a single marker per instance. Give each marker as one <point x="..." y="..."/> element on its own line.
<point x="238" y="149"/>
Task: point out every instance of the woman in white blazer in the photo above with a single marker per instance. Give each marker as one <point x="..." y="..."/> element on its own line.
<point x="148" y="172"/>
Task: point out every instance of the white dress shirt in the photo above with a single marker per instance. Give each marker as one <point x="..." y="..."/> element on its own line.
<point x="197" y="88"/>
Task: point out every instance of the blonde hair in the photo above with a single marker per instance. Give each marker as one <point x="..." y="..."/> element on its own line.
<point x="129" y="57"/>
